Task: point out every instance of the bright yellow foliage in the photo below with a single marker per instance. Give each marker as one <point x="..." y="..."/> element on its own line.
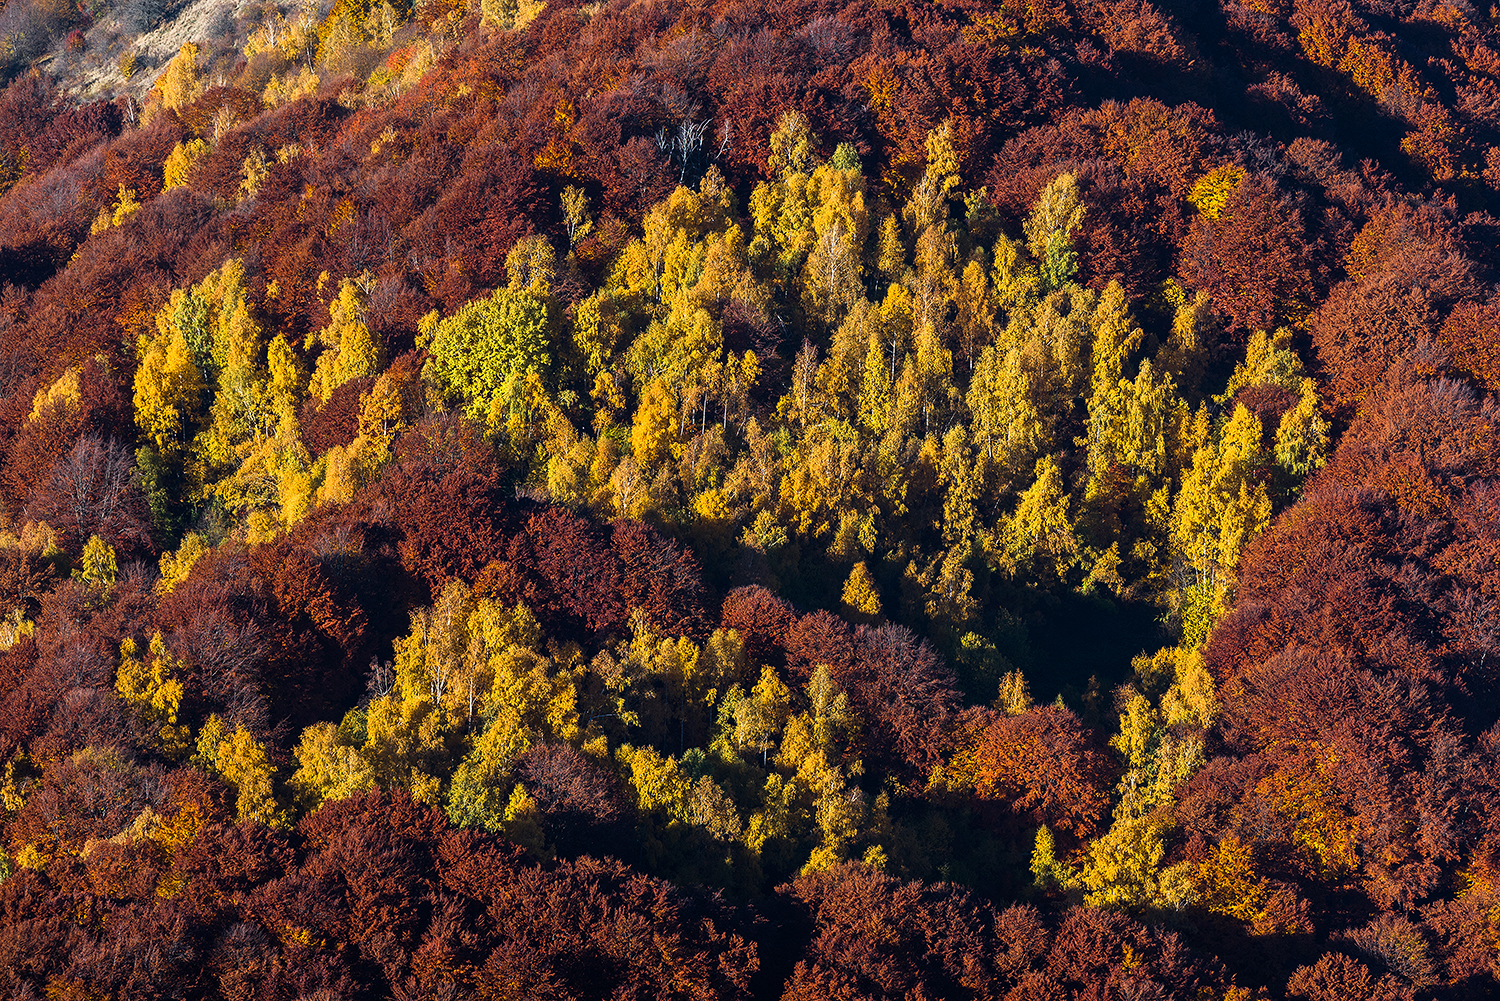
<point x="151" y="686"/>
<point x="181" y="82"/>
<point x="178" y="167"/>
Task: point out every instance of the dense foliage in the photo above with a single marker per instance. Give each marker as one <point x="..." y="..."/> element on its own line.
<point x="668" y="499"/>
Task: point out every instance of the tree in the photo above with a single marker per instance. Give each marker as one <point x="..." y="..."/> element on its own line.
<point x="484" y="353"/>
<point x="176" y="171"/>
<point x="575" y="206"/>
<point x="1302" y="437"/>
<point x="168" y="391"/>
<point x="907" y="694"/>
<point x="581" y="804"/>
<point x="1222" y="504"/>
<point x="181" y="81"/>
<point x="1038" y="537"/>
<point x="762" y="620"/>
<point x="792" y="146"/>
<point x="329" y="767"/>
<point x="861" y="598"/>
<point x="1337" y="976"/>
<point x="1049" y="231"/>
<point x="1042" y="764"/>
<point x="1252" y="259"/>
<point x="349" y="350"/>
<point x="94" y="490"/>
<point x="153" y="689"/>
<point x="241" y="760"/>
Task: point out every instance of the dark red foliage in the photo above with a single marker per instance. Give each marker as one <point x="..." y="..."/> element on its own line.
<point x="561" y="567"/>
<point x="1336" y="977"/>
<point x="659" y="577"/>
<point x="938" y="941"/>
<point x="583" y="807"/>
<point x="94" y="490"/>
<point x="1354" y="755"/>
<point x="1267" y="402"/>
<point x="42" y="439"/>
<point x="1406" y="270"/>
<point x="594" y="929"/>
<point x="907" y="693"/>
<point x="63" y="695"/>
<point x="1472" y="333"/>
<point x="1253" y="260"/>
<point x="381" y="896"/>
<point x="171" y="242"/>
<point x="1134" y="161"/>
<point x="819" y="638"/>
<point x="443" y="496"/>
<point x="571" y="572"/>
<point x="334" y="422"/>
<point x="1044" y="765"/>
<point x="279" y="633"/>
<point x="763" y="620"/>
<point x="1357" y="636"/>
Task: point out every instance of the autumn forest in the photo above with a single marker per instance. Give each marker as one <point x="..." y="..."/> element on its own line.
<point x="920" y="499"/>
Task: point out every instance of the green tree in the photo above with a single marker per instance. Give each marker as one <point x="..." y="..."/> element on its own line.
<point x="485" y="352"/>
<point x="480" y="794"/>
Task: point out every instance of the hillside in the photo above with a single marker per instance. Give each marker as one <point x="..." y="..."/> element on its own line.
<point x="801" y="500"/>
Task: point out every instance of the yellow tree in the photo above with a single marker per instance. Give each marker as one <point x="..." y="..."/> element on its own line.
<point x="1115" y="337"/>
<point x="385" y="410"/>
<point x="241" y="760"/>
<point x="760" y="716"/>
<point x="1038" y="536"/>
<point x="1186" y="352"/>
<point x="575" y="206"/>
<point x="1005" y="422"/>
<point x="181" y="82"/>
<point x="151" y="686"/>
<point x="1049" y="231"/>
<point x="1302" y="436"/>
<point x="890" y="252"/>
<point x="793" y="145"/>
<point x="329" y="767"/>
<point x="976" y="304"/>
<point x="168" y="391"/>
<point x="1133" y="446"/>
<point x="833" y="277"/>
<point x="349" y="349"/>
<point x="245" y="407"/>
<point x="178" y="167"/>
<point x="1221" y="505"/>
<point x="861" y="597"/>
<point x="175" y="567"/>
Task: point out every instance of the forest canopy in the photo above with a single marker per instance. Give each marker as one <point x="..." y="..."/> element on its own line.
<point x="664" y="499"/>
